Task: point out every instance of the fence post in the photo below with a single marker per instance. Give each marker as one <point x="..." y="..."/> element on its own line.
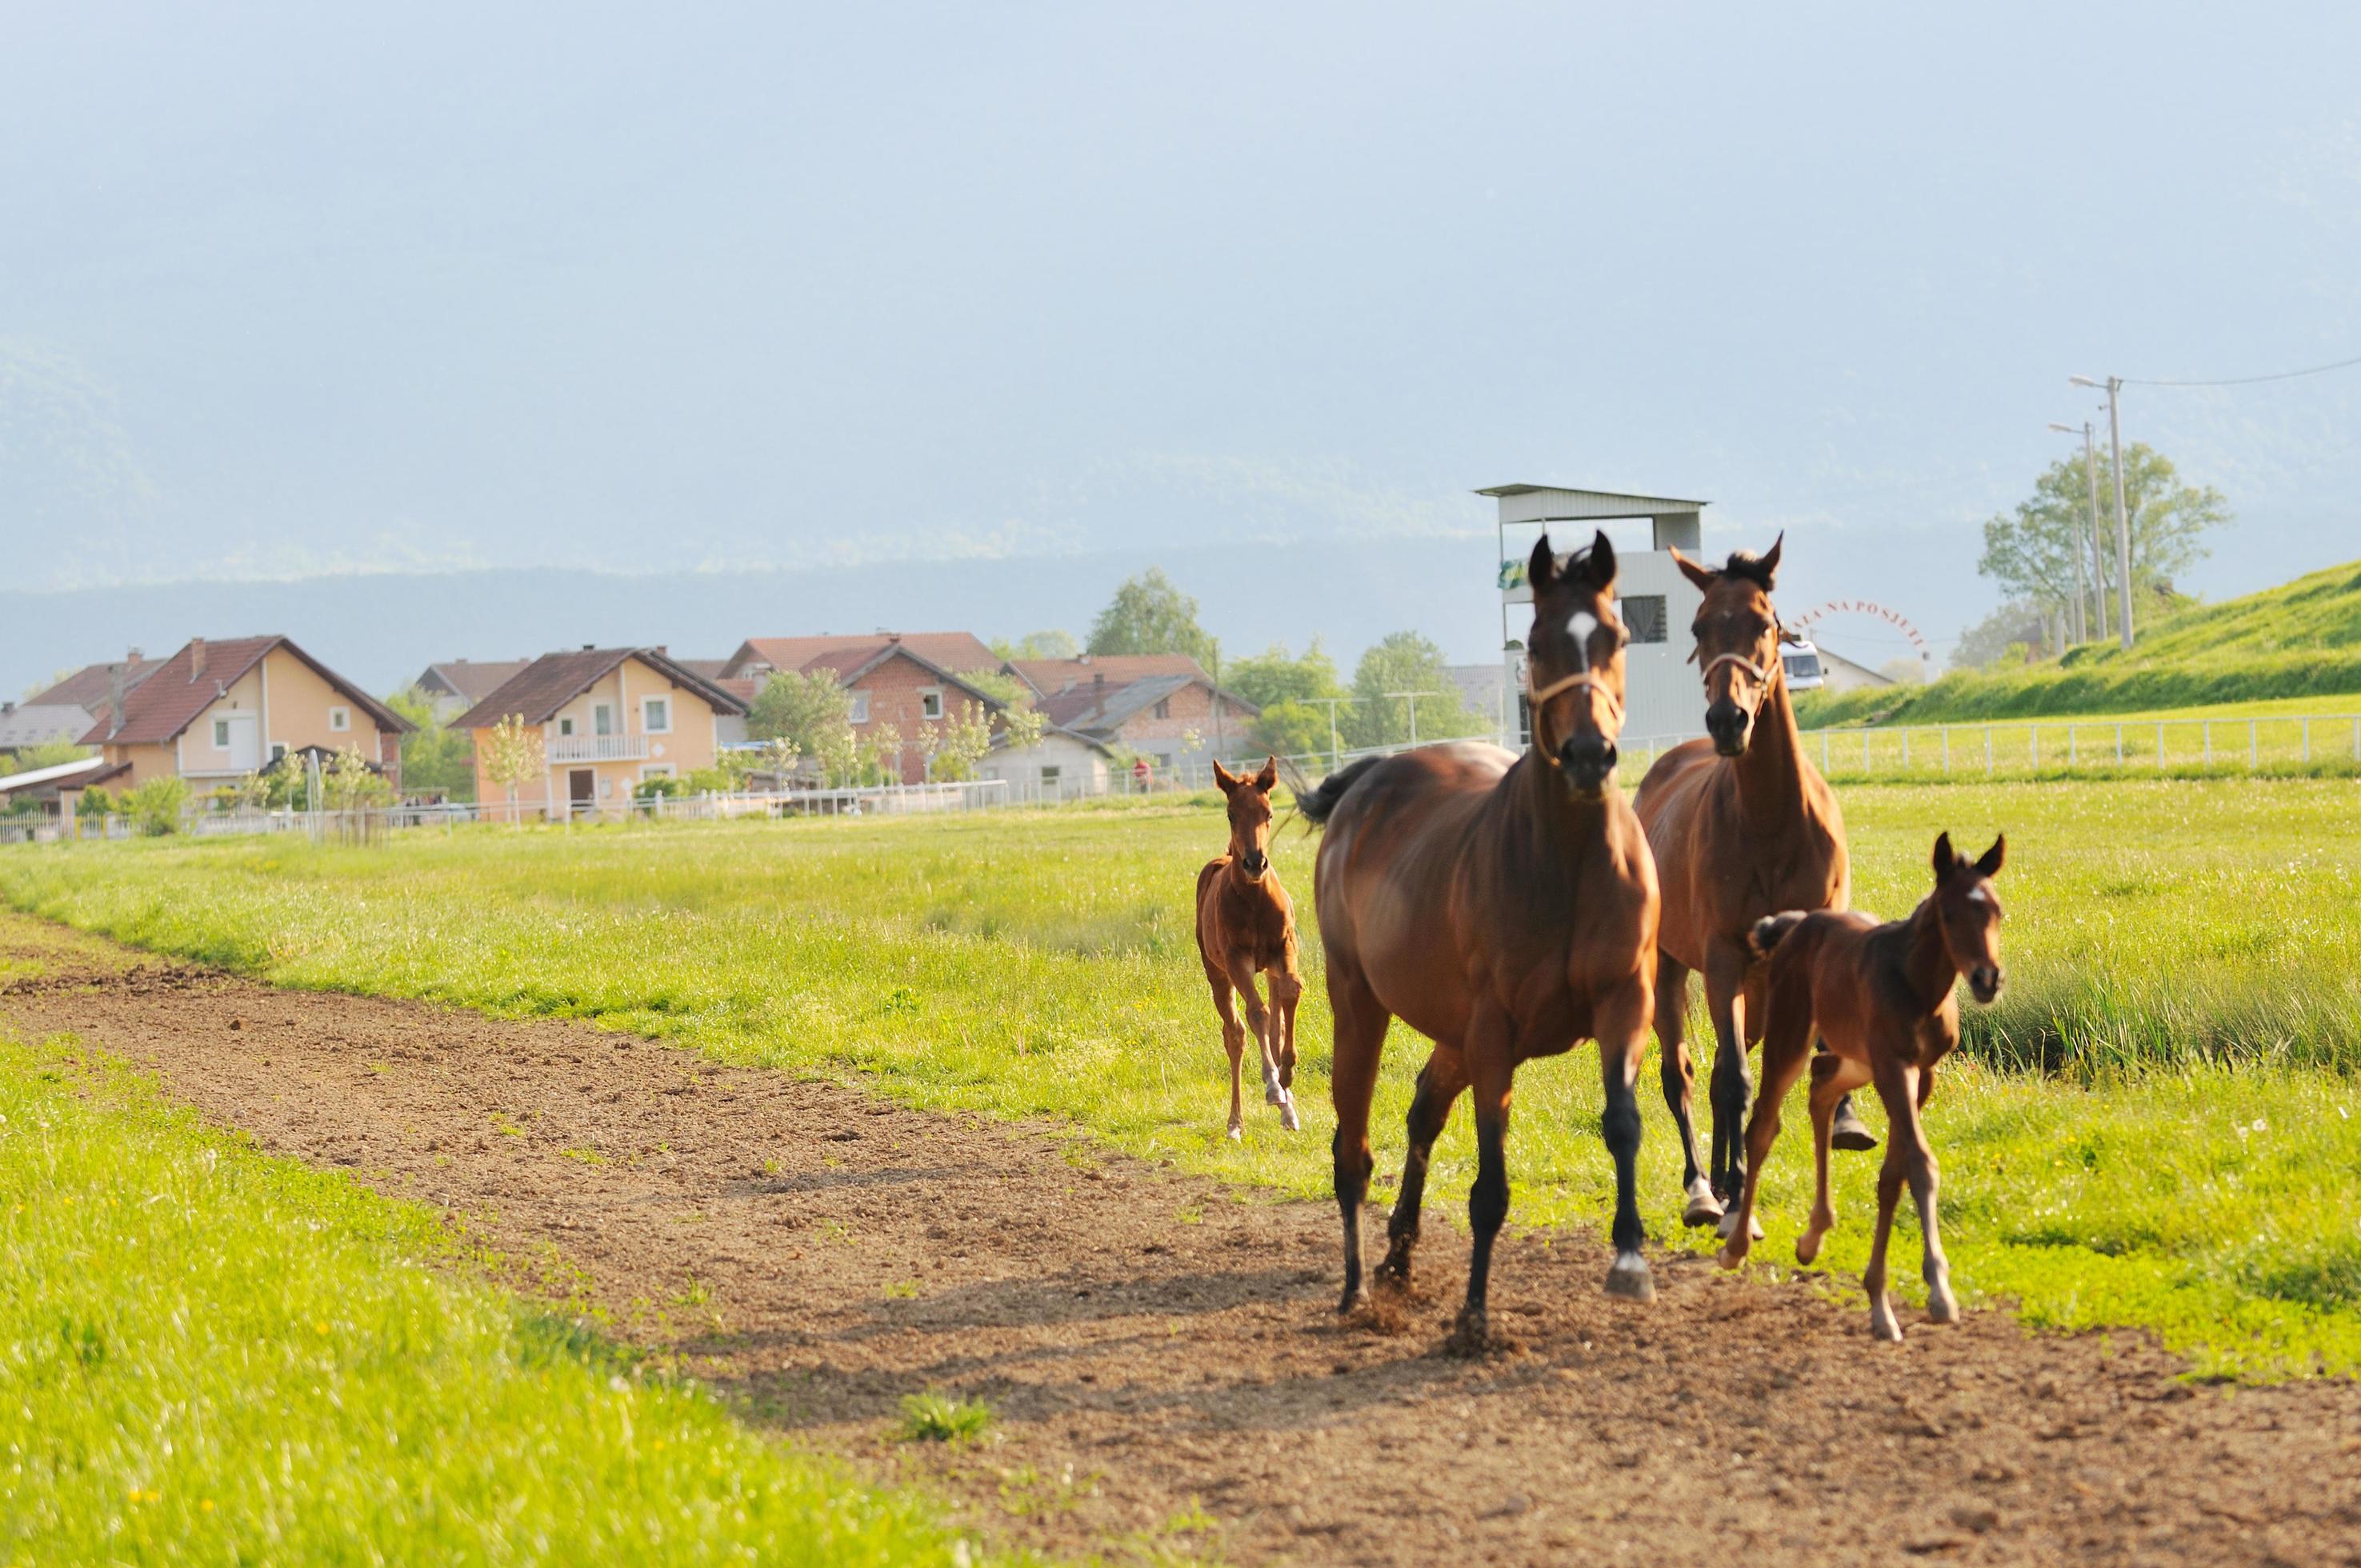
<point x="2253" y="744"/>
<point x="2033" y="745"/>
<point x="2160" y="745"/>
<point x="2209" y="742"/>
<point x="2073" y="750"/>
<point x="2307" y="739"/>
<point x="1824" y="745"/>
<point x="2119" y="745"/>
<point x="1988" y="763"/>
<point x="1947" y="748"/>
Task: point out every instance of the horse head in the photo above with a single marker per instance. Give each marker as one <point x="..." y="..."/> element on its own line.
<point x="1737" y="634"/>
<point x="1969" y="912"/>
<point x="1574" y="663"/>
<point x="1249" y="815"/>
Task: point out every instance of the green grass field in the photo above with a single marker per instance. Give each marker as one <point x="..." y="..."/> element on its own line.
<point x="2156" y="1129"/>
<point x="2298" y="642"/>
<point x="213" y="1356"/>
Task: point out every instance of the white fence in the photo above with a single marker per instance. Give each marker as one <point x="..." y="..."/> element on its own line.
<point x="2054" y="745"/>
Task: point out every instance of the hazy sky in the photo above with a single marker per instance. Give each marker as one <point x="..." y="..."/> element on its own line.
<point x="289" y="288"/>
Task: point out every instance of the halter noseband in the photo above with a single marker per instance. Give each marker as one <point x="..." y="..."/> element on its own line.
<point x="1762" y="677"/>
<point x="1565" y="684"/>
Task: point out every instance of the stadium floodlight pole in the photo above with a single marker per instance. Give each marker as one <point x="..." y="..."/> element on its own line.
<point x="2114" y="385"/>
<point x="2098" y="556"/>
<point x="1413" y="710"/>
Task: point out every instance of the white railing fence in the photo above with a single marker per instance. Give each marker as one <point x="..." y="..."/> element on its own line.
<point x="2064" y="745"/>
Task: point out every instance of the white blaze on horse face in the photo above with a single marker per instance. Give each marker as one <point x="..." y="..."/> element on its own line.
<point x="1579" y="626"/>
<point x="1978" y="895"/>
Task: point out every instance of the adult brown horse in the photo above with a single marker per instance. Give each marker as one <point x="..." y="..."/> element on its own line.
<point x="1742" y="825"/>
<point x="1505" y="907"/>
<point x="1245" y="927"/>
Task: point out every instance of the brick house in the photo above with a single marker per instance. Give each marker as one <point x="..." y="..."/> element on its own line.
<point x="902" y="679"/>
<point x="608" y="718"/>
<point x="1148" y="703"/>
<point x="220" y="709"/>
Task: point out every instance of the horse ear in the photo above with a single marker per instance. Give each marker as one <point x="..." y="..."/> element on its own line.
<point x="1771" y="556"/>
<point x="1989" y="862"/>
<point x="1600" y="559"/>
<point x="1223" y="777"/>
<point x="1944" y="858"/>
<point x="1541" y="569"/>
<point x="1266" y="779"/>
<point x="1703" y="577"/>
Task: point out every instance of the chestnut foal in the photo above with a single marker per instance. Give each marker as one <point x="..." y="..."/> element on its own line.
<point x="1245" y="927"/>
<point x="1885" y="999"/>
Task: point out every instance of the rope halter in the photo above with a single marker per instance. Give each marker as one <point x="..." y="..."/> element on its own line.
<point x="1565" y="684"/>
<point x="1762" y="677"/>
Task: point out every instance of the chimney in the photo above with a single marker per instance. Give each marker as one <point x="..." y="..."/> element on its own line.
<point x="133" y="656"/>
<point x="197" y="658"/>
<point x="114" y="698"/>
<point x="589" y="647"/>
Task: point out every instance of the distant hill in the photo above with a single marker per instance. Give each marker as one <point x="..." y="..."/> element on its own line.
<point x="2301" y="639"/>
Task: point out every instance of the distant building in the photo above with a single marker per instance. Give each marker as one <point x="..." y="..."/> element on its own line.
<point x="66" y="710"/>
<point x="455" y="685"/>
<point x="1162" y="706"/>
<point x="1839" y="673"/>
<point x="221" y="709"/>
<point x="901" y="679"/>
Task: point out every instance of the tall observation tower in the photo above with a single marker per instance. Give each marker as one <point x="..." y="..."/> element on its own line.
<point x="1662" y="700"/>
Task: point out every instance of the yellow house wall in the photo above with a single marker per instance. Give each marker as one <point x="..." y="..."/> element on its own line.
<point x="688" y="746"/>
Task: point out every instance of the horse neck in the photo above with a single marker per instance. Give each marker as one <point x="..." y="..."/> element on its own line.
<point x="1770" y="770"/>
<point x="1556" y="822"/>
<point x="1927" y="958"/>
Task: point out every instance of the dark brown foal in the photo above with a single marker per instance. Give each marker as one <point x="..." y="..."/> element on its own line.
<point x="1245" y="927"/>
<point x="1885" y="999"/>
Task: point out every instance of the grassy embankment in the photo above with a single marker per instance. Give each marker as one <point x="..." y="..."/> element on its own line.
<point x="2184" y="961"/>
<point x="213" y="1356"/>
<point x="2296" y="647"/>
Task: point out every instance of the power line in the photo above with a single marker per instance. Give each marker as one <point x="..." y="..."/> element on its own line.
<point x="2248" y="380"/>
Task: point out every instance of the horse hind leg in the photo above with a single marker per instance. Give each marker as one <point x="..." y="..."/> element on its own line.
<point x="1439" y="1082"/>
<point x="1360" y="1037"/>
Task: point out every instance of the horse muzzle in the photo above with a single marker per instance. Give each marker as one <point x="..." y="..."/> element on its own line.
<point x="1983" y="982"/>
<point x="1588" y="761"/>
<point x="1254" y="863"/>
<point x="1730" y="726"/>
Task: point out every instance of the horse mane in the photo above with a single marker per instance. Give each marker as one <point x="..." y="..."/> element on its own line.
<point x="1319" y="805"/>
<point x="1748" y="565"/>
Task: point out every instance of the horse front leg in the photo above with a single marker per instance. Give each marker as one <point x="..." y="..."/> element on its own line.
<point x="1440" y="1084"/>
<point x="1725" y="994"/>
<point x="1679" y="1077"/>
<point x="1264" y="1026"/>
<point x="1234" y="1041"/>
<point x="1491" y="1069"/>
<point x="1622" y="1022"/>
<point x="1286" y="991"/>
<point x="1361" y="1020"/>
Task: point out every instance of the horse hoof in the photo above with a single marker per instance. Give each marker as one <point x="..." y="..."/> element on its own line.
<point x="1471" y="1334"/>
<point x="1883" y="1325"/>
<point x="1287" y="1117"/>
<point x="1731" y="1254"/>
<point x="1729" y="1227"/>
<point x="1237" y="1134"/>
<point x="1942" y="1307"/>
<point x="1356" y="1298"/>
<point x="1850" y="1133"/>
<point x="1704" y="1208"/>
<point x="1808" y="1248"/>
<point x="1629" y="1280"/>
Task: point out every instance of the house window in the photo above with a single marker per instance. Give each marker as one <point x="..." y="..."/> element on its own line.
<point x="1643" y="617"/>
<point x="1049" y="776"/>
<point x="859" y="714"/>
<point x="566" y="726"/>
<point x="221" y="734"/>
<point x="1164" y="708"/>
<point x="1164" y="760"/>
<point x="602" y="719"/>
<point x="655" y="771"/>
<point x="277" y="750"/>
<point x="655" y="715"/>
<point x="340" y="719"/>
<point x="930" y="703"/>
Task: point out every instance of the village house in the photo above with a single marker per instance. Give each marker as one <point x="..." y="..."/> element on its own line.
<point x="222" y="708"/>
<point x="1160" y="706"/>
<point x="454" y="685"/>
<point x="66" y="710"/>
<point x="608" y="720"/>
<point x="898" y="679"/>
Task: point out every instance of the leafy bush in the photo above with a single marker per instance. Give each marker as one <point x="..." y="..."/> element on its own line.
<point x="155" y="805"/>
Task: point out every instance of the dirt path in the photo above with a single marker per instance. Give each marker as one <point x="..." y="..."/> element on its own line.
<point x="1154" y="1346"/>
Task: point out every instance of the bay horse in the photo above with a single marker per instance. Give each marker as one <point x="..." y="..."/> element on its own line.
<point x="1505" y="907"/>
<point x="1885" y="999"/>
<point x="1742" y="825"/>
<point x="1245" y="927"/>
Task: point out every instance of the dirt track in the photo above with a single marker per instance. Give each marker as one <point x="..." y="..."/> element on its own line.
<point x="1150" y="1340"/>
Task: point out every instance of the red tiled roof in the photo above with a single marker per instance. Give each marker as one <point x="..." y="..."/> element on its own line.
<point x="552" y="681"/>
<point x="169" y="699"/>
<point x="90" y="687"/>
<point x="958" y="653"/>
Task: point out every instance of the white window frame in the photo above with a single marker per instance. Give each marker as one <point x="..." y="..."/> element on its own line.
<point x="860" y="710"/>
<point x="340" y="719"/>
<point x="648" y="726"/>
<point x="602" y="719"/>
<point x="655" y="771"/>
<point x="930" y="702"/>
<point x="221" y="734"/>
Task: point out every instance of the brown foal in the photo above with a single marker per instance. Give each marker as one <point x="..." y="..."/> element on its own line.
<point x="1245" y="927"/>
<point x="1505" y="907"/>
<point x="1885" y="999"/>
<point x="1742" y="825"/>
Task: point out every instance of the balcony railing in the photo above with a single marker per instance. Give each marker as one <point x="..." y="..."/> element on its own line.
<point x="598" y="747"/>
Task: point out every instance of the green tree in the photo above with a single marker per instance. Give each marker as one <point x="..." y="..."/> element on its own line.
<point x="44" y="755"/>
<point x="512" y="755"/>
<point x="154" y="806"/>
<point x="2030" y="551"/>
<point x="1037" y="645"/>
<point x="1149" y="615"/>
<point x="805" y="709"/>
<point x="433" y="759"/>
<point x="1405" y="662"/>
<point x="1276" y="675"/>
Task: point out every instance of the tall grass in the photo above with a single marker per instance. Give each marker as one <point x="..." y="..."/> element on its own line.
<point x="2181" y="960"/>
<point x="213" y="1356"/>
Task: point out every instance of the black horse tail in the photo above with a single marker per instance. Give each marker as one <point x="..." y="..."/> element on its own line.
<point x="1322" y="802"/>
<point x="1771" y="930"/>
